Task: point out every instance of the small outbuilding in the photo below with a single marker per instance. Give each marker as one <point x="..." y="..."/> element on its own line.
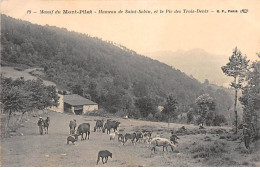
<point x="77" y="104"/>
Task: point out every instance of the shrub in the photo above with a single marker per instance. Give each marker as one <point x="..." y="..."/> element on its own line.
<point x="99" y="112"/>
<point x="209" y="150"/>
<point x="158" y="116"/>
<point x="190" y="116"/>
<point x="219" y="119"/>
<point x="150" y="116"/>
<point x="18" y="69"/>
<point x="120" y="113"/>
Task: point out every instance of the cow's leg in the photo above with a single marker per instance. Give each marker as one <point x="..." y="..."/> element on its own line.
<point x="86" y="136"/>
<point x="47" y="129"/>
<point x="98" y="160"/>
<point x="103" y="160"/>
<point x="82" y="138"/>
<point x="153" y="149"/>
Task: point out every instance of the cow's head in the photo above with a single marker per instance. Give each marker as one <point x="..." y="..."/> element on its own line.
<point x="76" y="136"/>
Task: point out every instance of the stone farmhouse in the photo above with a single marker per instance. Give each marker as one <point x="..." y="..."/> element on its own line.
<point x="75" y="104"/>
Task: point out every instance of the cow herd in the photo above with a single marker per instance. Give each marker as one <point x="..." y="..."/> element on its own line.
<point x="111" y="127"/>
<point x="137" y="136"/>
<point x="106" y="127"/>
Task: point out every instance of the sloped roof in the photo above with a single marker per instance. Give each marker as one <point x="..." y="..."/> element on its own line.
<point x="76" y="100"/>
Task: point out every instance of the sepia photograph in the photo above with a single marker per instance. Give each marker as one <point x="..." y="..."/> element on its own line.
<point x="130" y="83"/>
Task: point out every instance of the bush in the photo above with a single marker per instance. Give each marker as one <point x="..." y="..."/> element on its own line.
<point x="190" y="117"/>
<point x="120" y="113"/>
<point x="99" y="112"/>
<point x="150" y="116"/>
<point x="158" y="116"/>
<point x="209" y="150"/>
<point x="219" y="119"/>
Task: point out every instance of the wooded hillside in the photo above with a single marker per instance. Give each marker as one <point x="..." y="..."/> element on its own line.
<point x="111" y="75"/>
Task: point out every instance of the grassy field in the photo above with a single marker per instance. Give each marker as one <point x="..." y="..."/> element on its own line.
<point x="28" y="74"/>
<point x="199" y="148"/>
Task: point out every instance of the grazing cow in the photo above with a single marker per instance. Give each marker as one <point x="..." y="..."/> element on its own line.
<point x="46" y="124"/>
<point x="174" y="138"/>
<point x="139" y="136"/>
<point x="147" y="136"/>
<point x="83" y="128"/>
<point x="99" y="124"/>
<point x="161" y="142"/>
<point x="104" y="154"/>
<point x="72" y="139"/>
<point x="120" y="137"/>
<point x="110" y="125"/>
<point x="131" y="136"/>
<point x="72" y="126"/>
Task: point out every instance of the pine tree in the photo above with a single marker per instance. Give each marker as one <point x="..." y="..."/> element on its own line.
<point x="236" y="68"/>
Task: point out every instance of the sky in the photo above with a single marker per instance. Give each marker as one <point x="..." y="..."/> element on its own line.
<point x="216" y="33"/>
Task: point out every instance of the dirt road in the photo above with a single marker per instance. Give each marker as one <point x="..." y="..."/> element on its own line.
<point x="51" y="149"/>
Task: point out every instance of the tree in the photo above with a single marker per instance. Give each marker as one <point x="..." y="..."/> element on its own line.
<point x="251" y="96"/>
<point x="146" y="105"/>
<point x="219" y="119"/>
<point x="206" y="82"/>
<point x="169" y="108"/>
<point x="13" y="97"/>
<point x="206" y="109"/>
<point x="190" y="115"/>
<point x="77" y="89"/>
<point x="22" y="96"/>
<point x="236" y="68"/>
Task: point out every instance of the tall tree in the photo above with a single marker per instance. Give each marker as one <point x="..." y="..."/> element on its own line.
<point x="169" y="108"/>
<point x="236" y="68"/>
<point x="251" y="96"/>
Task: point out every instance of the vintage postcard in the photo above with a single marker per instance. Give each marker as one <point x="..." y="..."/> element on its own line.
<point x="130" y="83"/>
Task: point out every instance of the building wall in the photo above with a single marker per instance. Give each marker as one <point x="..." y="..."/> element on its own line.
<point x="60" y="108"/>
<point x="89" y="108"/>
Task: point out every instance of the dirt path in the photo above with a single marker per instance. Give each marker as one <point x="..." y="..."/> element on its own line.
<point x="33" y="149"/>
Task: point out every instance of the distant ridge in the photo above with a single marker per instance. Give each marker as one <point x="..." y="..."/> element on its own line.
<point x="196" y="62"/>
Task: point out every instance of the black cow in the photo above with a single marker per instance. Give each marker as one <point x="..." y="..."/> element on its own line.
<point x="104" y="154"/>
<point x="127" y="136"/>
<point x="174" y="138"/>
<point x="84" y="128"/>
<point x="139" y="136"/>
<point x="99" y="125"/>
<point x="110" y="125"/>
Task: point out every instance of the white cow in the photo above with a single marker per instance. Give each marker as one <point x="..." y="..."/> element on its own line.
<point x="157" y="141"/>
